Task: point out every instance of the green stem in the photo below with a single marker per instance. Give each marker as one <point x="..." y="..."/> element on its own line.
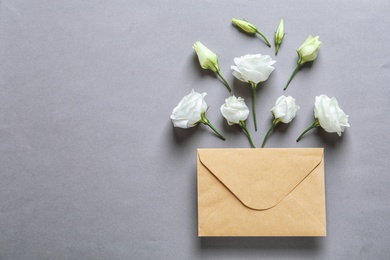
<point x="265" y="38"/>
<point x="224" y="81"/>
<point x="292" y="75"/>
<point x="205" y="121"/>
<point x="274" y="124"/>
<point x="254" y="104"/>
<point x="314" y="125"/>
<point x="243" y="125"/>
<point x="276" y="49"/>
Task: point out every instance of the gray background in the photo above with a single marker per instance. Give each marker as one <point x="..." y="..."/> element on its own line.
<point x="92" y="168"/>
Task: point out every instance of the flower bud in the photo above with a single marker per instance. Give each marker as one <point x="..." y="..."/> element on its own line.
<point x="309" y="49"/>
<point x="279" y="35"/>
<point x="207" y="58"/>
<point x="245" y="26"/>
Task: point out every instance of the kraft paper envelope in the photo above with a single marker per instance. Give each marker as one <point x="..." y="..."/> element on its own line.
<point x="261" y="192"/>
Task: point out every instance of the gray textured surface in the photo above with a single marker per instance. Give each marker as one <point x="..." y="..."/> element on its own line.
<point x="91" y="167"/>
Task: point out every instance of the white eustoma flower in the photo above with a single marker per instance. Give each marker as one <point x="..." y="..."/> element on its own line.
<point x="249" y="28"/>
<point x="191" y="111"/>
<point x="328" y="115"/>
<point x="209" y="60"/>
<point x="308" y="51"/>
<point x="284" y="111"/>
<point x="235" y="111"/>
<point x="253" y="68"/>
<point x="279" y="35"/>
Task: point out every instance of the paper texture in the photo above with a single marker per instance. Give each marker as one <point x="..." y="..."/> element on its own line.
<point x="261" y="192"/>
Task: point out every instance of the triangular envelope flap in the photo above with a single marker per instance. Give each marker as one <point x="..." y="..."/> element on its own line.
<point x="261" y="178"/>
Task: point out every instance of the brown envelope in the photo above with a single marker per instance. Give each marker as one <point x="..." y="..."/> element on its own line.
<point x="261" y="192"/>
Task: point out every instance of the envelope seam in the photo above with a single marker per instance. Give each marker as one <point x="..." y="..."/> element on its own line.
<point x="307" y="211"/>
<point x="239" y="199"/>
<point x="312" y="170"/>
<point x="221" y="182"/>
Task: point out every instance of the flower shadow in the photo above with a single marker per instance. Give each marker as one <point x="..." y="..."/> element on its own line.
<point x="180" y="135"/>
<point x="231" y="129"/>
<point x="282" y="128"/>
<point x="242" y="89"/>
<point x="242" y="32"/>
<point x="330" y="140"/>
<point x="278" y="133"/>
<point x="269" y="82"/>
<point x="306" y="67"/>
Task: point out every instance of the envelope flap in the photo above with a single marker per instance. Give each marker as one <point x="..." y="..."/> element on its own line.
<point x="261" y="178"/>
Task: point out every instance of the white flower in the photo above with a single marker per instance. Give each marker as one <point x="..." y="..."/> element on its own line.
<point x="253" y="68"/>
<point x="279" y="35"/>
<point x="285" y="109"/>
<point x="234" y="110"/>
<point x="308" y="51"/>
<point x="330" y="116"/>
<point x="207" y="58"/>
<point x="189" y="111"/>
